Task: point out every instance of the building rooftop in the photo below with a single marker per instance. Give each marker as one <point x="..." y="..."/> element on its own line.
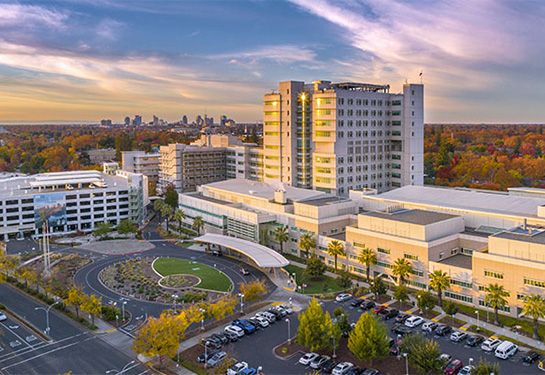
<point x="471" y="200"/>
<point x="532" y="235"/>
<point x="262" y="189"/>
<point x="458" y="260"/>
<point x="419" y="217"/>
<point x="324" y="201"/>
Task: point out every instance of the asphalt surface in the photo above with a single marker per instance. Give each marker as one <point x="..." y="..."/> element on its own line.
<point x="73" y="348"/>
<point x="257" y="349"/>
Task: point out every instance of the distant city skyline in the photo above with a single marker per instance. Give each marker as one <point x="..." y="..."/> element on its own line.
<point x="83" y="61"/>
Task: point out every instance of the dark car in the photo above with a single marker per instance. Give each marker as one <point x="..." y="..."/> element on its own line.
<point x="474" y="340"/>
<point x="356" y="302"/>
<point x="401" y="318"/>
<point x="370" y="371"/>
<point x="355" y="371"/>
<point x="531" y="357"/>
<point x="216" y="253"/>
<point x="401" y="330"/>
<point x="211" y="342"/>
<point x="443" y="330"/>
<point x="277" y="314"/>
<point x="203" y="358"/>
<point x="220" y="336"/>
<point x="231" y="336"/>
<point x="390" y="313"/>
<point x="255" y="323"/>
<point x="329" y="366"/>
<point x="366" y="305"/>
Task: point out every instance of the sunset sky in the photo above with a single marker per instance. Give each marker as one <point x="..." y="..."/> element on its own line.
<point x="84" y="60"/>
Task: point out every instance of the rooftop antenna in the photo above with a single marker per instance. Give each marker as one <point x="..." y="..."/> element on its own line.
<point x="421" y="76"/>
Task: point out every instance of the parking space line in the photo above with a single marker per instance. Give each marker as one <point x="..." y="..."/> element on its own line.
<point x="22" y="339"/>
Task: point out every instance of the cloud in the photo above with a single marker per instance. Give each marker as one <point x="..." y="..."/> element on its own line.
<point x="30" y="16"/>
<point x="109" y="29"/>
<point x="281" y="54"/>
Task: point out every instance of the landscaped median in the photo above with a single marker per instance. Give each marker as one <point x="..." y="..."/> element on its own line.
<point x="314" y="284"/>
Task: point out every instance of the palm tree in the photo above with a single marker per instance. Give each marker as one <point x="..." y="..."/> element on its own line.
<point x="334" y="249"/>
<point x="179" y="216"/>
<point x="439" y="281"/>
<point x="307" y="243"/>
<point x="367" y="256"/>
<point x="198" y="224"/>
<point x="166" y="212"/>
<point x="281" y="235"/>
<point x="495" y="298"/>
<point x="401" y="269"/>
<point x="534" y="306"/>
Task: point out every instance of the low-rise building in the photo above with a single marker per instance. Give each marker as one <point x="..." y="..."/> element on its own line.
<point x="99" y="155"/>
<point x="143" y="163"/>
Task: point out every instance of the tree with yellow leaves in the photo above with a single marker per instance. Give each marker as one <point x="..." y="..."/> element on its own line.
<point x="219" y="309"/>
<point x="91" y="305"/>
<point x="253" y="291"/>
<point x="75" y="298"/>
<point x="8" y="264"/>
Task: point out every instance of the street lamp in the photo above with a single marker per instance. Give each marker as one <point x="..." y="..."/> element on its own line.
<point x="406" y="362"/>
<point x="117" y="320"/>
<point x="241" y="303"/>
<point x="205" y="353"/>
<point x="202" y="319"/>
<point x="418" y="303"/>
<point x="334" y="355"/>
<point x="123" y="310"/>
<point x="477" y="312"/>
<point x="289" y="332"/>
<point x="294" y="278"/>
<point x="125" y="368"/>
<point x="47" y="328"/>
<point x="175" y="296"/>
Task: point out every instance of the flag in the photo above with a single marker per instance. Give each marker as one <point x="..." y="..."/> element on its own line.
<point x="420" y="75"/>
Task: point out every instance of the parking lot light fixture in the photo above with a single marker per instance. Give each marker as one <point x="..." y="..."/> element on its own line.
<point x="47" y="328"/>
<point x="202" y="319"/>
<point x="289" y="330"/>
<point x="406" y="362"/>
<point x="241" y="303"/>
<point x="334" y="354"/>
<point x="477" y="312"/>
<point x="175" y="297"/>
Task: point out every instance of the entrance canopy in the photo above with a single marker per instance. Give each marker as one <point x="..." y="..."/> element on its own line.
<point x="261" y="255"/>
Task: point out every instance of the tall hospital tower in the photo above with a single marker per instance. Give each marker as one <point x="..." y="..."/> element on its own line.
<point x="335" y="137"/>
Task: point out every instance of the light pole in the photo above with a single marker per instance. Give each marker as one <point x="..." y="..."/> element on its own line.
<point x="123" y="310"/>
<point x="289" y="332"/>
<point x="125" y="368"/>
<point x="477" y="312"/>
<point x="418" y="303"/>
<point x="295" y="279"/>
<point x="202" y="319"/>
<point x="175" y="296"/>
<point x="406" y="362"/>
<point x="47" y="328"/>
<point x="241" y="303"/>
<point x="117" y="320"/>
<point x="205" y="353"/>
<point x="334" y="355"/>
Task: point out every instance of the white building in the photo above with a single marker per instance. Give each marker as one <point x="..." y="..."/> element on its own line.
<point x="142" y="162"/>
<point x="73" y="201"/>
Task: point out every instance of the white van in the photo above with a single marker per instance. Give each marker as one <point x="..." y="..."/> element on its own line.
<point x="506" y="350"/>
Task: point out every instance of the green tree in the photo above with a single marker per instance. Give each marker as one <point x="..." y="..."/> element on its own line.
<point x="75" y="298"/>
<point x="315" y="328"/>
<point x="367" y="257"/>
<point x="307" y="243"/>
<point x="158" y="204"/>
<point x="334" y="249"/>
<point x="7" y="264"/>
<point x="450" y="308"/>
<point x="534" y="306"/>
<point x="102" y="229"/>
<point x="424" y="300"/>
<point x="171" y="196"/>
<point x="179" y="217"/>
<point x="91" y="305"/>
<point x="281" y="235"/>
<point x="422" y="353"/>
<point x="496" y="299"/>
<point x="439" y="281"/>
<point x="126" y="226"/>
<point x="378" y="287"/>
<point x="344" y="280"/>
<point x="198" y="224"/>
<point x="401" y="269"/>
<point x="342" y="323"/>
<point x="166" y="213"/>
<point x="486" y="368"/>
<point x="369" y="339"/>
<point x="401" y="294"/>
<point x="315" y="266"/>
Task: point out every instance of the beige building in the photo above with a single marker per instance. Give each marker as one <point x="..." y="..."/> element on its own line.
<point x="142" y="162"/>
<point x="100" y="155"/>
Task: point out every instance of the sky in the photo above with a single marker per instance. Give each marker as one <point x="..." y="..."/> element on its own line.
<point x="85" y="60"/>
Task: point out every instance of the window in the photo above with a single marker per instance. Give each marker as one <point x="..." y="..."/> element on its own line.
<point x="467" y="251"/>
<point x="495" y="275"/>
<point x="504" y="309"/>
<point x="384" y="264"/>
<point x="461" y="283"/>
<point x="381" y="250"/>
<point x="410" y="256"/>
<point x="459" y="297"/>
<point x="538" y="283"/>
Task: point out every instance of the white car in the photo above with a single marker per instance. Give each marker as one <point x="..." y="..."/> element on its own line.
<point x="319" y="361"/>
<point x="267" y="315"/>
<point x="343" y="297"/>
<point x="342" y="368"/>
<point x="3" y="317"/>
<point x="286" y="308"/>
<point x="458" y="336"/>
<point x="237" y="367"/>
<point x="429" y="325"/>
<point x="466" y="370"/>
<point x="489" y="345"/>
<point x="307" y="358"/>
<point x="263" y="322"/>
<point x="234" y="329"/>
<point x="414" y="321"/>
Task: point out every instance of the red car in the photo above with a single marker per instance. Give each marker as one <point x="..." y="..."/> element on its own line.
<point x="379" y="308"/>
<point x="453" y="367"/>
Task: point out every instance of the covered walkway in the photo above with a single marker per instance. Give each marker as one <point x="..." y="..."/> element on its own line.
<point x="261" y="255"/>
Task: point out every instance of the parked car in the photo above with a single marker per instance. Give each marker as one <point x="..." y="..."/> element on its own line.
<point x="429" y="326"/>
<point x="414" y="321"/>
<point x="286" y="308"/>
<point x="237" y="368"/>
<point x="262" y="321"/>
<point x="466" y="370"/>
<point x="217" y="358"/>
<point x="531" y="357"/>
<point x="211" y="342"/>
<point x="474" y="340"/>
<point x="277" y="314"/>
<point x="267" y="315"/>
<point x="248" y="371"/>
<point x="2" y="317"/>
<point x="458" y="336"/>
<point x="401" y="330"/>
<point x="318" y="362"/>
<point x="231" y="336"/>
<point x="356" y="302"/>
<point x="489" y="345"/>
<point x="342" y="368"/>
<point x="254" y="322"/>
<point x="206" y="356"/>
<point x="366" y="305"/>
<point x="245" y="325"/>
<point x="506" y="349"/>
<point x="379" y="308"/>
<point x="390" y="313"/>
<point x="443" y="330"/>
<point x="244" y="271"/>
<point x="328" y="366"/>
<point x="220" y="336"/>
<point x="343" y="297"/>
<point x="307" y="358"/>
<point x="401" y="318"/>
<point x="445" y="359"/>
<point x="371" y="371"/>
<point x="355" y="371"/>
<point x="234" y="329"/>
<point x="279" y="310"/>
<point x="453" y="367"/>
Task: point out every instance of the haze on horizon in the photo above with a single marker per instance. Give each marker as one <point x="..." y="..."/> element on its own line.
<point x="64" y="61"/>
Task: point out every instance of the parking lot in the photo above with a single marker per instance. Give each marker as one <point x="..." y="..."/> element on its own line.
<point x="15" y="341"/>
<point x="257" y="349"/>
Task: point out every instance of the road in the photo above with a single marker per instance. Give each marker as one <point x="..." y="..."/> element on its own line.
<point x="72" y="348"/>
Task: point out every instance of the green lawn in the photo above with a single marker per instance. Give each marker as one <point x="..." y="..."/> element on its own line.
<point x="323" y="284"/>
<point x="211" y="278"/>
